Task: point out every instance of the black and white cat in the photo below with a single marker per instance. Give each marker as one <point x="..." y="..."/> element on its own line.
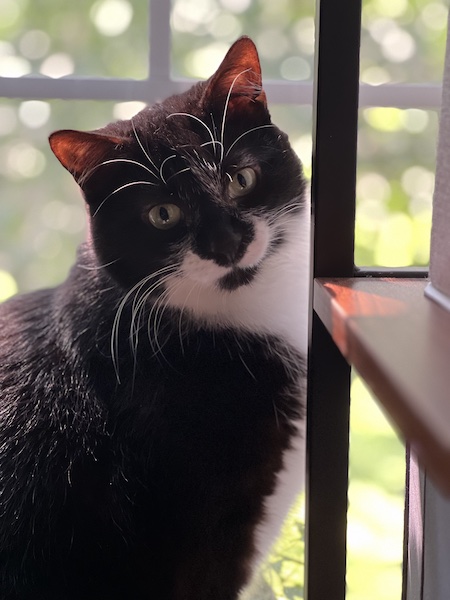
<point x="151" y="406"/>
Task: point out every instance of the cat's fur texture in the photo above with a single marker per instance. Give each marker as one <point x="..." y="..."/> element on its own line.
<point x="151" y="405"/>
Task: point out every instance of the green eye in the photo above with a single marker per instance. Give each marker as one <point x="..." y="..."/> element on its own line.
<point x="165" y="216"/>
<point x="242" y="183"/>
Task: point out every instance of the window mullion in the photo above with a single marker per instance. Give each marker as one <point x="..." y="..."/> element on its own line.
<point x="160" y="42"/>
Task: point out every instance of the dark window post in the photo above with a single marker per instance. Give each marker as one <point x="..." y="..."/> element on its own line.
<point x="335" y="122"/>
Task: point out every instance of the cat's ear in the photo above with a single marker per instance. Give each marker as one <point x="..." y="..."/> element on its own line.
<point x="238" y="79"/>
<point x="80" y="152"/>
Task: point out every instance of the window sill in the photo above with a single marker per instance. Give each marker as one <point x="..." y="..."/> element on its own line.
<point x="399" y="342"/>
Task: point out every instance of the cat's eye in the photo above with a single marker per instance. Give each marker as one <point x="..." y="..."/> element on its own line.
<point x="242" y="182"/>
<point x="165" y="216"/>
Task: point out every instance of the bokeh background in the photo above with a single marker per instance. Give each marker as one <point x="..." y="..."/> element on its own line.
<point x="42" y="215"/>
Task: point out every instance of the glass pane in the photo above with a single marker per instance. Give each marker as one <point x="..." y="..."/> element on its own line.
<point x="397" y="156"/>
<point x="42" y="216"/>
<point x="296" y="122"/>
<point x="403" y="40"/>
<point x="283" y="31"/>
<point x="87" y="37"/>
<point x="376" y="502"/>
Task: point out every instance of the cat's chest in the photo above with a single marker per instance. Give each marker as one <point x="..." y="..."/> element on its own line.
<point x="207" y="376"/>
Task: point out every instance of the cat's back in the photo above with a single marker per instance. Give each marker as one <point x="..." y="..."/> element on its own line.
<point x="25" y="335"/>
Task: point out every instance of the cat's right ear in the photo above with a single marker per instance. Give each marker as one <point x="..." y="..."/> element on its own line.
<point x="80" y="152"/>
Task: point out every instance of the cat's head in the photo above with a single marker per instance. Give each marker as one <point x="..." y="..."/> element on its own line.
<point x="195" y="187"/>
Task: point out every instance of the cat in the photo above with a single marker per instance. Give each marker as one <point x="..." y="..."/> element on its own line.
<point x="152" y="405"/>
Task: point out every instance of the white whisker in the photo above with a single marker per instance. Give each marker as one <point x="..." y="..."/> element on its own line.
<point x="178" y="173"/>
<point x="155" y="318"/>
<point x="138" y="308"/>
<point x="225" y="110"/>
<point x="98" y="267"/>
<point x="119" y="189"/>
<point x="182" y="114"/>
<point x="136" y="289"/>
<point x="246" y="133"/>
<point x="182" y="309"/>
<point x="146" y="154"/>
<point x="127" y="160"/>
<point x="162" y="166"/>
<point x="214" y="143"/>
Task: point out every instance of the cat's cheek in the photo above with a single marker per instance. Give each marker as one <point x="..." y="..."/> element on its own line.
<point x="257" y="249"/>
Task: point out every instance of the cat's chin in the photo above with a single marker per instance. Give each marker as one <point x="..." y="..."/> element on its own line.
<point x="237" y="278"/>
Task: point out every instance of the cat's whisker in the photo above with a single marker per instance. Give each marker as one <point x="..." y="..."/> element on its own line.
<point x="162" y="166"/>
<point x="154" y="324"/>
<point x="215" y="143"/>
<point x="130" y="161"/>
<point x="138" y="308"/>
<point x="178" y="173"/>
<point x="114" y="345"/>
<point x="183" y="114"/>
<point x="225" y="110"/>
<point x="278" y="217"/>
<point x="146" y="154"/>
<point x="244" y="134"/>
<point x="213" y="125"/>
<point x="119" y="189"/>
<point x="160" y="307"/>
<point x="136" y="289"/>
<point x="182" y="309"/>
<point x="98" y="267"/>
<point x="139" y="303"/>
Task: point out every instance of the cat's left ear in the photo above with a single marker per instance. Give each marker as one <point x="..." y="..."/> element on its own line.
<point x="80" y="152"/>
<point x="238" y="79"/>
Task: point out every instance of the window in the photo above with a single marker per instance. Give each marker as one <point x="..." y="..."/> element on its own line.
<point x="84" y="65"/>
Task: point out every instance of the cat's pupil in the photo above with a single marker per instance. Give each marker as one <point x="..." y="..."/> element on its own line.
<point x="241" y="180"/>
<point x="164" y="214"/>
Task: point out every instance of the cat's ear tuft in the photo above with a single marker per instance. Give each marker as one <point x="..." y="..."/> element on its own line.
<point x="80" y="152"/>
<point x="238" y="78"/>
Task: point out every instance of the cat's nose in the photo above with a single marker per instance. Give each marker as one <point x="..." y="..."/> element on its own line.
<point x="223" y="239"/>
<point x="225" y="246"/>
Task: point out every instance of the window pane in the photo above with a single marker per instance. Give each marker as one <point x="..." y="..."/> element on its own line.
<point x="204" y="29"/>
<point x="42" y="212"/>
<point x="376" y="502"/>
<point x="403" y="40"/>
<point x="296" y="122"/>
<point x="87" y="37"/>
<point x="397" y="156"/>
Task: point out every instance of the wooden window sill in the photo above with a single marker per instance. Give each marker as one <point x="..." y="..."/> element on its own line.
<point x="399" y="341"/>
